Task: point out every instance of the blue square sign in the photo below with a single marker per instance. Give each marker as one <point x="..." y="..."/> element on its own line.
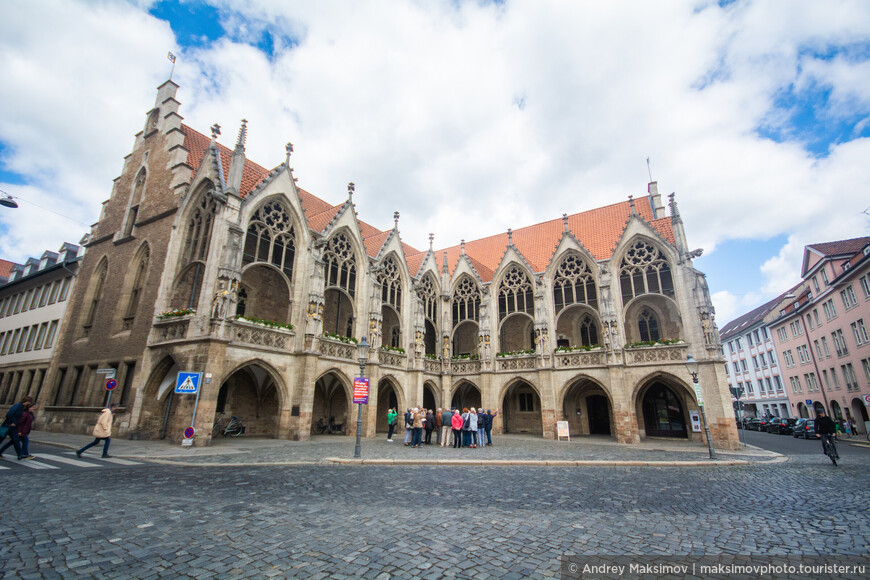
<point x="187" y="383"/>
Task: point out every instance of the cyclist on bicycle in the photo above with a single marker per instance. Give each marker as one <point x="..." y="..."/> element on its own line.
<point x="824" y="426"/>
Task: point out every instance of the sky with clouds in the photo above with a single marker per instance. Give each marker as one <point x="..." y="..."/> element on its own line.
<point x="468" y="117"/>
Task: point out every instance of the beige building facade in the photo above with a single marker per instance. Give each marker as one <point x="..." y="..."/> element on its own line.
<point x="204" y="261"/>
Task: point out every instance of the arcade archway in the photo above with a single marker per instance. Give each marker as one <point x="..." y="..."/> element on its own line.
<point x="662" y="412"/>
<point x="465" y="395"/>
<point x="521" y="409"/>
<point x="388" y="398"/>
<point x="587" y="409"/>
<point x="331" y="404"/>
<point x="251" y="394"/>
<point x="430" y="397"/>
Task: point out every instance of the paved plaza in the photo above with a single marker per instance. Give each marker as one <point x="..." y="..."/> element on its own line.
<point x="323" y="520"/>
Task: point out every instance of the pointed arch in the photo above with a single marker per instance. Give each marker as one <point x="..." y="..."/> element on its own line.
<point x="199" y="224"/>
<point x="341" y="267"/>
<point x="136" y="196"/>
<point x="515" y="293"/>
<point x="95" y="294"/>
<point x="574" y="283"/>
<point x="271" y="237"/>
<point x="136" y="284"/>
<point x="466" y="300"/>
<point x="427" y="291"/>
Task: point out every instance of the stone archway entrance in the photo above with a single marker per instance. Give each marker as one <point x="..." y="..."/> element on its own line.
<point x="663" y="412"/>
<point x="430" y="399"/>
<point x="331" y="404"/>
<point x="251" y="394"/>
<point x="818" y="408"/>
<point x="465" y="395"/>
<point x="587" y="409"/>
<point x="859" y="412"/>
<point x="387" y="399"/>
<point x="521" y="410"/>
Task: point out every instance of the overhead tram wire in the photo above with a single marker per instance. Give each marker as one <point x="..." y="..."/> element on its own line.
<point x="19" y="198"/>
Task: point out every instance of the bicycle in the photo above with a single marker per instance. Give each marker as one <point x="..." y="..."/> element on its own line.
<point x="830" y="447"/>
<point x="233" y="428"/>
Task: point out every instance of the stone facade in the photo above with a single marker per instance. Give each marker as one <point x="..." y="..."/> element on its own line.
<point x="204" y="261"/>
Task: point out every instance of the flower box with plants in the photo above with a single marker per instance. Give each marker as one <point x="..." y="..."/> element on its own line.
<point x="339" y="338"/>
<point x="465" y="357"/>
<point x="388" y="348"/>
<point x="433" y="356"/>
<point x="659" y="342"/>
<point x="513" y="353"/>
<point x="177" y="313"/>
<point x="264" y="322"/>
<point x="581" y="348"/>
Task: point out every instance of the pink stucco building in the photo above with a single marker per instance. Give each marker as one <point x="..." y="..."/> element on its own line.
<point x="821" y="333"/>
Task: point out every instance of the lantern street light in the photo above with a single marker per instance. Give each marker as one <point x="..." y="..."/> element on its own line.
<point x="363" y="352"/>
<point x="7" y="200"/>
<point x="692" y="367"/>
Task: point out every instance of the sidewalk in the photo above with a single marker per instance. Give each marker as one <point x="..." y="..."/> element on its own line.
<point x="507" y="450"/>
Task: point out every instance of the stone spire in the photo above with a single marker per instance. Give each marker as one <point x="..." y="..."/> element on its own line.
<point x="288" y="149"/>
<point x="462" y="242"/>
<point x="565" y="222"/>
<point x="631" y="203"/>
<point x="680" y="240"/>
<point x="237" y="164"/>
<point x="350" y="190"/>
<point x="396" y="220"/>
<point x="510" y="233"/>
<point x="444" y="269"/>
<point x="431" y="239"/>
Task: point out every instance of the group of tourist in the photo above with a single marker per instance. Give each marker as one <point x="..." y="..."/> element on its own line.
<point x="16" y="426"/>
<point x="468" y="428"/>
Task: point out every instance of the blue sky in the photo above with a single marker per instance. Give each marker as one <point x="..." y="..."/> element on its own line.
<point x="468" y="117"/>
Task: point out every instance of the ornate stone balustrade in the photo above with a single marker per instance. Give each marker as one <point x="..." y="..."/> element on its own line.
<point x="169" y="329"/>
<point x="464" y="366"/>
<point x="256" y="334"/>
<point x="392" y="358"/>
<point x="516" y="363"/>
<point x="431" y="366"/>
<point x="657" y="354"/>
<point x="579" y="359"/>
<point x="336" y="349"/>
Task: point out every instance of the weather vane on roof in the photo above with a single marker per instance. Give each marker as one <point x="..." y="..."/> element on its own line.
<point x="171" y="58"/>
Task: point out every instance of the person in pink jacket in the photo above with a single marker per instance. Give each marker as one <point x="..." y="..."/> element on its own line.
<point x="102" y="431"/>
<point x="456" y="423"/>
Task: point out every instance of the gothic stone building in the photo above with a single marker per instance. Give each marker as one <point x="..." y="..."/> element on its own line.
<point x="204" y="261"/>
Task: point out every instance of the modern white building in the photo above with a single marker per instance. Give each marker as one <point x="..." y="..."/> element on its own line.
<point x="32" y="305"/>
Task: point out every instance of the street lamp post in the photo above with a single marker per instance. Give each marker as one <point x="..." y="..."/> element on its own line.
<point x="7" y="200"/>
<point x="363" y="351"/>
<point x="692" y="367"/>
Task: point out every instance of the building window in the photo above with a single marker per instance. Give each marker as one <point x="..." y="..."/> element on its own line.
<point x="763" y="359"/>
<point x="796" y="328"/>
<point x="24" y="332"/>
<point x="803" y="354"/>
<point x="644" y="270"/>
<point x="866" y="364"/>
<point x="736" y="368"/>
<point x="816" y="285"/>
<point x="824" y="277"/>
<point x="138" y="285"/>
<point x="816" y="316"/>
<point x="830" y="311"/>
<point x="860" y="332"/>
<point x="810" y="322"/>
<point x="743" y="365"/>
<point x="574" y="284"/>
<point x="789" y="358"/>
<point x="52" y="298"/>
<point x="782" y="334"/>
<point x="40" y="336"/>
<point x="812" y="385"/>
<point x="466" y="301"/>
<point x="527" y="402"/>
<point x="199" y="228"/>
<point x="49" y="336"/>
<point x="772" y="357"/>
<point x="778" y="383"/>
<point x="769" y="386"/>
<point x="515" y="294"/>
<point x="849" y="375"/>
<point x="271" y="238"/>
<point x="429" y="295"/>
<point x="848" y="296"/>
<point x="731" y="347"/>
<point x="739" y="346"/>
<point x="64" y="288"/>
<point x="825" y="345"/>
<point x="340" y="264"/>
<point x="764" y="333"/>
<point x="97" y="295"/>
<point x="840" y="343"/>
<point x="588" y="331"/>
<point x="749" y="339"/>
<point x="648" y="325"/>
<point x="795" y="385"/>
<point x="31" y="338"/>
<point x="865" y="285"/>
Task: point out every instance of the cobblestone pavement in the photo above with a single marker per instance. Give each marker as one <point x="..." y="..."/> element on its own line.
<point x="367" y="521"/>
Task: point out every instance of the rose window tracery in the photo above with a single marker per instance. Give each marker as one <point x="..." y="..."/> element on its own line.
<point x="644" y="270"/>
<point x="340" y="264"/>
<point x="466" y="301"/>
<point x="429" y="296"/>
<point x="270" y="238"/>
<point x="515" y="293"/>
<point x="391" y="284"/>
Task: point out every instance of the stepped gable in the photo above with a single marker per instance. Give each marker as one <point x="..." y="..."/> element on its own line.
<point x="197" y="145"/>
<point x="598" y="230"/>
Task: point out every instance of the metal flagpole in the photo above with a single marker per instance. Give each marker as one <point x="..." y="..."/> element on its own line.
<point x="171" y="57"/>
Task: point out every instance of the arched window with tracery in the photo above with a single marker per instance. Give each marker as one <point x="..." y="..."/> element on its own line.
<point x="271" y="238"/>
<point x="135" y="200"/>
<point x="466" y="301"/>
<point x="199" y="228"/>
<point x="515" y="293"/>
<point x="391" y="284"/>
<point x="648" y="325"/>
<point x="644" y="270"/>
<point x="588" y="331"/>
<point x="429" y="295"/>
<point x="99" y="284"/>
<point x="574" y="284"/>
<point x="340" y="264"/>
<point x="137" y="286"/>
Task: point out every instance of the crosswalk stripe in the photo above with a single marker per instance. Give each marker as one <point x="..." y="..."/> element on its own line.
<point x="119" y="461"/>
<point x="67" y="460"/>
<point x="35" y="464"/>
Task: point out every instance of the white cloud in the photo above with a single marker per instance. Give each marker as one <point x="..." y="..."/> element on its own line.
<point x="417" y="103"/>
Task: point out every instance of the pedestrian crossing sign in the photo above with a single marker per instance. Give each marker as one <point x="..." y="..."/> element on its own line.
<point x="187" y="383"/>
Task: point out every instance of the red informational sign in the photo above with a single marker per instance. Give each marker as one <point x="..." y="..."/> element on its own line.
<point x="111" y="384"/>
<point x="360" y="391"/>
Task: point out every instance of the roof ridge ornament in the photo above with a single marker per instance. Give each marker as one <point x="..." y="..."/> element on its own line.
<point x="288" y="149"/>
<point x="431" y="239"/>
<point x="462" y="243"/>
<point x="396" y="220"/>
<point x="565" y="222"/>
<point x="444" y="269"/>
<point x="510" y="234"/>
<point x="215" y="132"/>
<point x="350" y="189"/>
<point x="631" y="203"/>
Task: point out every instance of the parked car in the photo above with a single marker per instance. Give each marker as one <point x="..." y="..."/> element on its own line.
<point x="806" y="429"/>
<point x="758" y="424"/>
<point x="781" y="426"/>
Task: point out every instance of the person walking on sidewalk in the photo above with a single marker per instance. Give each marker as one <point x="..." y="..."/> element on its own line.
<point x="102" y="431"/>
<point x="13" y="418"/>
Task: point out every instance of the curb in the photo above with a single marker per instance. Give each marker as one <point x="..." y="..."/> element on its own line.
<point x="553" y="462"/>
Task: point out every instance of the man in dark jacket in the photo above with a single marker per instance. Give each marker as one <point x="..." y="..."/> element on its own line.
<point x="446" y="428"/>
<point x="429" y="425"/>
<point x="489" y="417"/>
<point x="13" y="418"/>
<point x="824" y="426"/>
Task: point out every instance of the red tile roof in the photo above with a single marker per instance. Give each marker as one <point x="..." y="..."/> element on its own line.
<point x="5" y="268"/>
<point x="598" y="230"/>
<point x="840" y="247"/>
